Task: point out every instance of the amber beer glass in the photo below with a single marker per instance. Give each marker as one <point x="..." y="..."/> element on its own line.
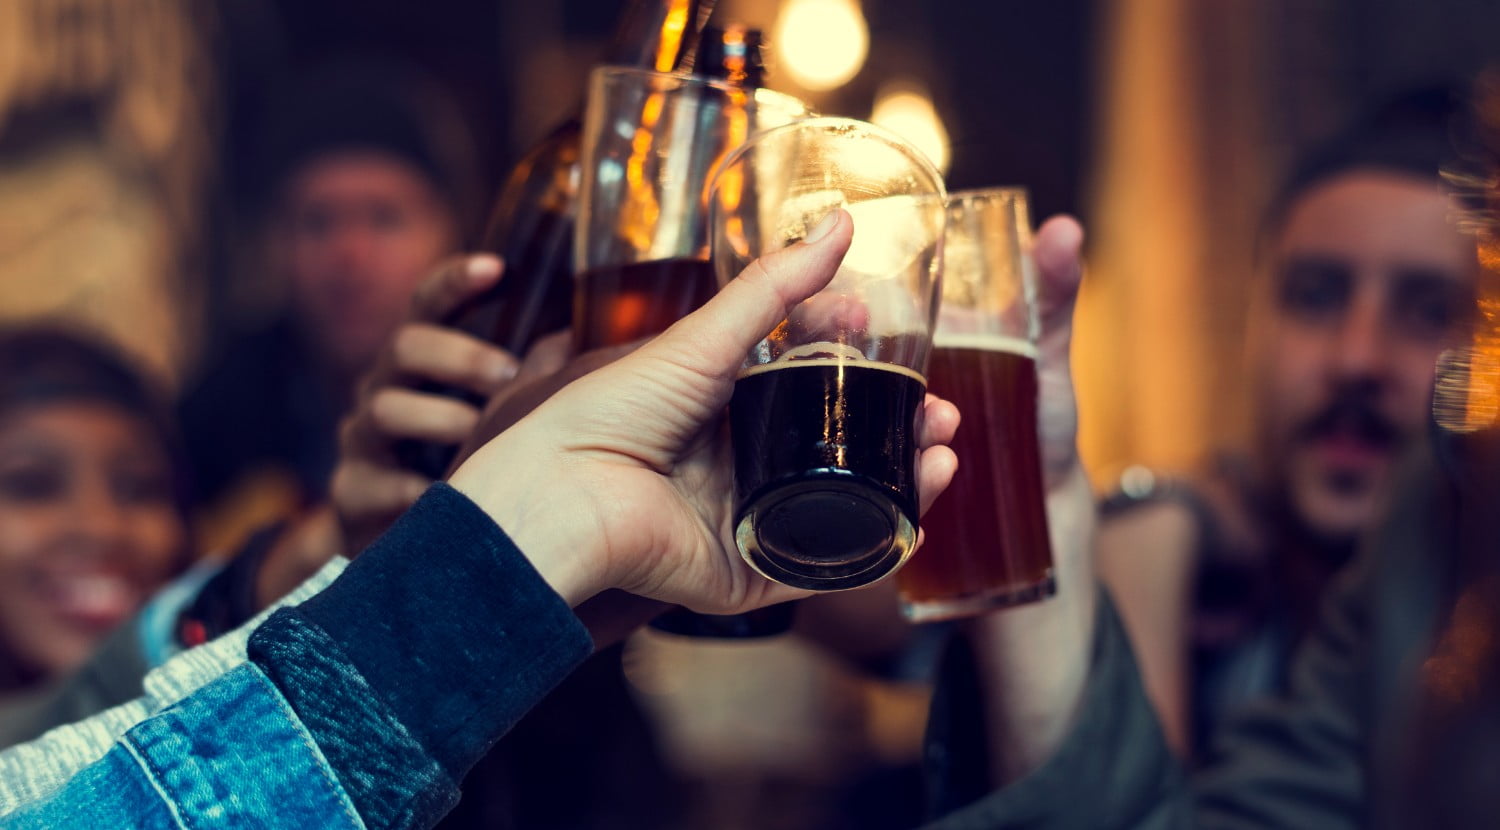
<point x="651" y="141"/>
<point x="987" y="543"/>
<point x="825" y="413"/>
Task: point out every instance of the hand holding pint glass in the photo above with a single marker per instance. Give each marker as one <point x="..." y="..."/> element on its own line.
<point x="651" y="142"/>
<point x="986" y="541"/>
<point x="824" y="416"/>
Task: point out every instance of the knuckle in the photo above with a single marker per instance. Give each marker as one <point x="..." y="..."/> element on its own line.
<point x="431" y="293"/>
<point x="472" y="358"/>
<point x="408" y="345"/>
<point x="386" y="408"/>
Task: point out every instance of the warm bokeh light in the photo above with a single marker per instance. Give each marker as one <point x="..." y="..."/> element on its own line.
<point x="821" y="43"/>
<point x="1466" y="395"/>
<point x="907" y="111"/>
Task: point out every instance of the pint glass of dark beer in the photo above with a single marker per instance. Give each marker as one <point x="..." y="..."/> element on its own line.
<point x="824" y="416"/>
<point x="651" y="141"/>
<point x="987" y="543"/>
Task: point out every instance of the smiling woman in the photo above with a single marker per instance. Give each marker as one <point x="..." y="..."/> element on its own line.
<point x="91" y="500"/>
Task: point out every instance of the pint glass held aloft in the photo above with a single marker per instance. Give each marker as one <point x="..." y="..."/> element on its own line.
<point x="825" y="414"/>
<point x="987" y="544"/>
<point x="651" y="142"/>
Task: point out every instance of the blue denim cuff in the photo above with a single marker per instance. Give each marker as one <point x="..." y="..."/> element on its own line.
<point x="389" y="776"/>
<point x="257" y="768"/>
<point x="428" y="648"/>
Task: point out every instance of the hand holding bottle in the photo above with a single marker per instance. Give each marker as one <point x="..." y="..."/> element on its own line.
<point x="370" y="488"/>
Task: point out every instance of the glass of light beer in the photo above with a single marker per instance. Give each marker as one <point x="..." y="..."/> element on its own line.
<point x="651" y="142"/>
<point x="986" y="538"/>
<point x="825" y="413"/>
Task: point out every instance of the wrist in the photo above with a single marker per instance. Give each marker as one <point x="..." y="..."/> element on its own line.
<point x="1033" y="660"/>
<point x="551" y="526"/>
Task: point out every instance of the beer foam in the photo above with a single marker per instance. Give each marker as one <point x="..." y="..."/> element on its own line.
<point x="840" y="351"/>
<point x="814" y="362"/>
<point x="985" y="343"/>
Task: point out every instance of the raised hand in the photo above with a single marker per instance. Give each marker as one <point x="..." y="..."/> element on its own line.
<point x="370" y="488"/>
<point x="1033" y="660"/>
<point x="621" y="479"/>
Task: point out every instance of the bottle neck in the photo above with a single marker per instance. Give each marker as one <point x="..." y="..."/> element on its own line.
<point x="733" y="54"/>
<point x="659" y="34"/>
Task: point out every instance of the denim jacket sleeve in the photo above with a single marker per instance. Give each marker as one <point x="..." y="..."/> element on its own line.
<point x="364" y="705"/>
<point x="33" y="770"/>
<point x="233" y="754"/>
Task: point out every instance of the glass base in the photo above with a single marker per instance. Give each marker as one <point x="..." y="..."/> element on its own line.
<point x="973" y="605"/>
<point x="825" y="534"/>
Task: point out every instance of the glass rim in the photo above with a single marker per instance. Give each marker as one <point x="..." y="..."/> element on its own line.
<point x="984" y="194"/>
<point x="963" y="205"/>
<point x="689" y="80"/>
<point x="832" y="124"/>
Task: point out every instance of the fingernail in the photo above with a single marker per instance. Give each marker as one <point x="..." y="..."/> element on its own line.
<point x="484" y="266"/>
<point x="502" y="370"/>
<point x="822" y="229"/>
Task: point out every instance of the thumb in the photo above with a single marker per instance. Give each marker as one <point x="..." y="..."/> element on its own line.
<point x="1060" y="271"/>
<point x="727" y="327"/>
<point x="1057" y="252"/>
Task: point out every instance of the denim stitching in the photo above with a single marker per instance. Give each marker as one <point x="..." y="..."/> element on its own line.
<point x="322" y="766"/>
<point x="152" y="776"/>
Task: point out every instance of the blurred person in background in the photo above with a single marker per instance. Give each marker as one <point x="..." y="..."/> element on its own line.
<point x="1367" y="280"/>
<point x="1391" y="716"/>
<point x="93" y="503"/>
<point x="362" y="185"/>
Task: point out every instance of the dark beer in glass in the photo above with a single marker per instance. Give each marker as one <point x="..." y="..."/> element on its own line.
<point x="825" y="415"/>
<point x="825" y="457"/>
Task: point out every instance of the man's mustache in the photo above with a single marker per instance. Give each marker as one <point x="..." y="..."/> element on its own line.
<point x="1351" y="412"/>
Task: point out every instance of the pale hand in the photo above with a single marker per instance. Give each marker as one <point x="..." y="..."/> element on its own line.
<point x="621" y="479"/>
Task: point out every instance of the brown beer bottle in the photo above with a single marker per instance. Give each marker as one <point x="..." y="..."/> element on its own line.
<point x="733" y="54"/>
<point x="531" y="221"/>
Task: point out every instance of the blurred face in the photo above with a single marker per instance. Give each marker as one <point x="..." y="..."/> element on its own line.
<point x="357" y="232"/>
<point x="88" y="528"/>
<point x="1370" y="281"/>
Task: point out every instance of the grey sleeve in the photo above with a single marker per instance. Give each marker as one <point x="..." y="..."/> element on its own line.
<point x="1298" y="761"/>
<point x="1113" y="770"/>
<point x="112" y="676"/>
